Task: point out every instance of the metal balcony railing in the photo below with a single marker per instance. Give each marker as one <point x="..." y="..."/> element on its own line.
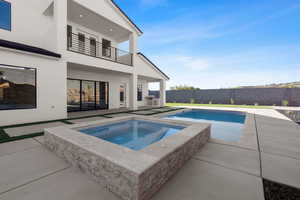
<point x="90" y="47"/>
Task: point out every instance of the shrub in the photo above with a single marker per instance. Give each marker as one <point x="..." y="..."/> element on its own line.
<point x="284" y="102"/>
<point x="231" y="101"/>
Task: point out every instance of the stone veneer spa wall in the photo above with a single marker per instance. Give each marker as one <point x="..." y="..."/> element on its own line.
<point x="131" y="175"/>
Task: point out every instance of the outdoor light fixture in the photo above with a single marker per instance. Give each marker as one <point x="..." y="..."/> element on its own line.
<point x="81" y="16"/>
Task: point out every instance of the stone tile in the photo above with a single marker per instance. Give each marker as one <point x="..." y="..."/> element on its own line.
<point x="75" y="121"/>
<point x="25" y="130"/>
<point x="231" y="157"/>
<point x="200" y="180"/>
<point x="17" y="146"/>
<point x="144" y="112"/>
<point x="69" y="184"/>
<point x="279" y="137"/>
<point x="39" y="139"/>
<point x="23" y="167"/>
<point x="119" y="115"/>
<point x="281" y="169"/>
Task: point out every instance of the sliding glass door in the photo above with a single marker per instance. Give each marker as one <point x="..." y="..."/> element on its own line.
<point x="73" y="95"/>
<point x="87" y="95"/>
<point x="101" y="95"/>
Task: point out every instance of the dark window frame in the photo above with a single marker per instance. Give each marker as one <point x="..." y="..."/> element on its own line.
<point x="95" y="82"/>
<point x="35" y="84"/>
<point x="69" y="36"/>
<point x="10" y="21"/>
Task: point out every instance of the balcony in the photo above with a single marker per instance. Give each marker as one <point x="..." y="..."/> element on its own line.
<point x="80" y="44"/>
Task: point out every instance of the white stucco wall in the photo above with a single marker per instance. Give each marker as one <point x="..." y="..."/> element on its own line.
<point x="29" y="25"/>
<point x="114" y="81"/>
<point x="51" y="89"/>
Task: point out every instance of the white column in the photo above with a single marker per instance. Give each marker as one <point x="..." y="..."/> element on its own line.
<point x="162" y="92"/>
<point x="133" y="46"/>
<point x="60" y="16"/>
<point x="133" y="92"/>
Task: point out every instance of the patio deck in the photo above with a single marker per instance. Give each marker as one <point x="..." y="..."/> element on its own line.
<point x="218" y="172"/>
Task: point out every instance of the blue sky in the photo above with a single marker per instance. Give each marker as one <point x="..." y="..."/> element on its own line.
<point x="220" y="43"/>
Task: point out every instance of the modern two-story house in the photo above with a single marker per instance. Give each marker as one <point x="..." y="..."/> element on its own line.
<point x="60" y="56"/>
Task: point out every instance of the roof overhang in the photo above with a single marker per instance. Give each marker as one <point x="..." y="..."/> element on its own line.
<point x="115" y="5"/>
<point x="27" y="48"/>
<point x="153" y="65"/>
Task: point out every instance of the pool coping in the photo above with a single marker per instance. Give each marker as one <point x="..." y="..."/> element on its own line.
<point x="131" y="175"/>
<point x="248" y="138"/>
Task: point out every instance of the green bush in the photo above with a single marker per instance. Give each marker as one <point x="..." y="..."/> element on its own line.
<point x="284" y="102"/>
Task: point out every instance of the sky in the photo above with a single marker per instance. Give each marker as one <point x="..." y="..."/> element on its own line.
<point x="220" y="43"/>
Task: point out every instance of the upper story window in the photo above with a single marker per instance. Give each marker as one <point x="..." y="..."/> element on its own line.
<point x="5" y="15"/>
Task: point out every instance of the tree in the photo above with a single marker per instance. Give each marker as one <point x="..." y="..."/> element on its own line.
<point x="184" y="87"/>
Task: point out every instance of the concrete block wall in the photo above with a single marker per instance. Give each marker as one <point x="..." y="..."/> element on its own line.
<point x="248" y="96"/>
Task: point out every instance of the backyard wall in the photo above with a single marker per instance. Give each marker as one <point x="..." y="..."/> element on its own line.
<point x="249" y="96"/>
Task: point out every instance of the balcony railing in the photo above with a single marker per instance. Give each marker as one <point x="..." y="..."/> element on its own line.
<point x="90" y="47"/>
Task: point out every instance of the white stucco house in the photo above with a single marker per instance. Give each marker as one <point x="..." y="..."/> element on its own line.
<point x="60" y="56"/>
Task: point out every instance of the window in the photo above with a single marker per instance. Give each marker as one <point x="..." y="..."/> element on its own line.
<point x="69" y="35"/>
<point x="17" y="87"/>
<point x="106" y="48"/>
<point x="5" y="15"/>
<point x="81" y="40"/>
<point x="140" y="92"/>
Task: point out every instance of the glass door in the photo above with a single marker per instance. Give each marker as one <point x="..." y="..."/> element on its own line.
<point x="102" y="95"/>
<point x="88" y="95"/>
<point x="123" y="95"/>
<point x="73" y="95"/>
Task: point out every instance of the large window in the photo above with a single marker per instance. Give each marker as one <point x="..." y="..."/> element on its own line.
<point x="5" y="15"/>
<point x="17" y="87"/>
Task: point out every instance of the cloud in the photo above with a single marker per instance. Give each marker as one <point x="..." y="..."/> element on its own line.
<point x="261" y="65"/>
<point x="187" y="62"/>
<point x="191" y="27"/>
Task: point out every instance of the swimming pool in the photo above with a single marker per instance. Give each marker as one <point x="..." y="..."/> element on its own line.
<point x="226" y="125"/>
<point x="133" y="134"/>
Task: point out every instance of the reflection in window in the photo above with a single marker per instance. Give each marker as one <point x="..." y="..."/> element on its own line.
<point x="17" y="87"/>
<point x="5" y="15"/>
<point x="73" y="94"/>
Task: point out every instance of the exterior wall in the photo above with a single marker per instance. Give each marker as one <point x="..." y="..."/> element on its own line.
<point x="144" y="69"/>
<point x="251" y="96"/>
<point x="30" y="25"/>
<point x="114" y="83"/>
<point x="76" y="28"/>
<point x="51" y="89"/>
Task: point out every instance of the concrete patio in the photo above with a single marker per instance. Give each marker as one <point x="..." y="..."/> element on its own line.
<point x="218" y="172"/>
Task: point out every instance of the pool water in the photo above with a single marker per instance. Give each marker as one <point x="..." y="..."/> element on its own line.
<point x="133" y="134"/>
<point x="226" y="125"/>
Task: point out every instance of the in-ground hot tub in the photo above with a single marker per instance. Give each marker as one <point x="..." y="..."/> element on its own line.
<point x="131" y="156"/>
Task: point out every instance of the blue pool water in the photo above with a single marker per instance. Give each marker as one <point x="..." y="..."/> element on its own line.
<point x="226" y="125"/>
<point x="133" y="134"/>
